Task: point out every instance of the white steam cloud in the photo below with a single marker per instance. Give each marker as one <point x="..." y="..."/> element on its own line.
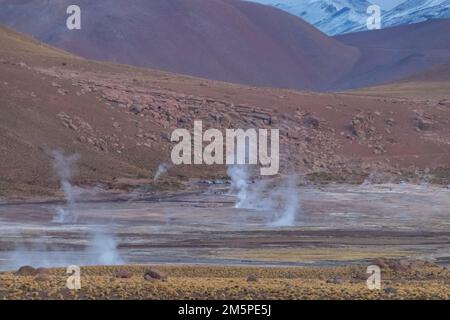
<point x="162" y="169"/>
<point x="63" y="166"/>
<point x="101" y="248"/>
<point x="280" y="200"/>
<point x="239" y="184"/>
<point x="291" y="204"/>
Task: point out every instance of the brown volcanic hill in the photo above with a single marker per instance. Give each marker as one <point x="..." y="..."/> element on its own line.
<point x="118" y="119"/>
<point x="395" y="53"/>
<point x="229" y="40"/>
<point x="431" y="87"/>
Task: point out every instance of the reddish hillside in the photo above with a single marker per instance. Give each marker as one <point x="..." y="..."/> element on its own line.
<point x="395" y="53"/>
<point x="228" y="40"/>
<point x="118" y="119"/>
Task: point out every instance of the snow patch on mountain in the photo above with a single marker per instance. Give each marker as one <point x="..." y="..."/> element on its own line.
<point x="330" y="16"/>
<point x="343" y="16"/>
<point x="414" y="11"/>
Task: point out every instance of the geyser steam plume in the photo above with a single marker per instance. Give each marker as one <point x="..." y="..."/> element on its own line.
<point x="63" y="166"/>
<point x="239" y="183"/>
<point x="162" y="169"/>
<point x="291" y="203"/>
<point x="101" y="246"/>
<point x="280" y="200"/>
<point x="103" y="249"/>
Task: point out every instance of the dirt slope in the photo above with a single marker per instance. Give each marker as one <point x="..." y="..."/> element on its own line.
<point x="119" y="120"/>
<point x="394" y="53"/>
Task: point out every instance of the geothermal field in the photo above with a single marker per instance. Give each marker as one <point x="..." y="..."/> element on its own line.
<point x="235" y="221"/>
<point x="230" y="238"/>
<point x="121" y="134"/>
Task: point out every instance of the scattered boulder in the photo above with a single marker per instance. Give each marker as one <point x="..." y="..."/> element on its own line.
<point x="136" y="109"/>
<point x="362" y="126"/>
<point x="62" y="92"/>
<point x="417" y="264"/>
<point x="155" y="274"/>
<point x="252" y="278"/>
<point x="418" y="276"/>
<point x="26" y="271"/>
<point x="42" y="277"/>
<point x="390" y="290"/>
<point x="335" y="280"/>
<point x="380" y="262"/>
<point x="311" y="122"/>
<point x="42" y="271"/>
<point x="390" y="122"/>
<point x="400" y="265"/>
<point x="183" y="120"/>
<point x="424" y="124"/>
<point x="359" y="275"/>
<point x="123" y="274"/>
<point x="290" y="275"/>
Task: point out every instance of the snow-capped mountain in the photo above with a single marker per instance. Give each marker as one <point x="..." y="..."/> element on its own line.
<point x="343" y="16"/>
<point x="330" y="16"/>
<point x="413" y="11"/>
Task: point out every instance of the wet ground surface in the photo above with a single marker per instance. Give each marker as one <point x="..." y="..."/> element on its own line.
<point x="336" y="225"/>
